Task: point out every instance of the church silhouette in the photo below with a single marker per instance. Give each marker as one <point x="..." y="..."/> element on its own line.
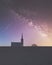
<point x="18" y="44"/>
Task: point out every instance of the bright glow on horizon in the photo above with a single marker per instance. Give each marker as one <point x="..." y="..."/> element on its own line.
<point x="45" y="41"/>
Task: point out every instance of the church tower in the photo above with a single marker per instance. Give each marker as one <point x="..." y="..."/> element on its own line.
<point x="22" y="40"/>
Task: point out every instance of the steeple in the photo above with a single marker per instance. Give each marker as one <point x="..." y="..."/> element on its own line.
<point x="22" y="40"/>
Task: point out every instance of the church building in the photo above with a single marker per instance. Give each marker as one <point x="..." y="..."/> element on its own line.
<point x="18" y="44"/>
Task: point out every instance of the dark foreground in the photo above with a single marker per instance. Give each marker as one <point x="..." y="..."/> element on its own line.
<point x="25" y="56"/>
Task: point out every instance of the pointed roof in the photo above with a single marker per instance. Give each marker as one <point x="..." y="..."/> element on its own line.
<point x="22" y="36"/>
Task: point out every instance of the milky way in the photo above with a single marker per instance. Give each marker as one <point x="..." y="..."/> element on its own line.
<point x="32" y="18"/>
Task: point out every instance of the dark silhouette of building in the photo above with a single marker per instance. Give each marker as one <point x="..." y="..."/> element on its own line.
<point x="34" y="45"/>
<point x="18" y="44"/>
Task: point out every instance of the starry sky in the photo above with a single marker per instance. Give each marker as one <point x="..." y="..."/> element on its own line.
<point x="32" y="18"/>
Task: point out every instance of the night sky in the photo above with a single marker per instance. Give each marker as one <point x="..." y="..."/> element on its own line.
<point x="32" y="18"/>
